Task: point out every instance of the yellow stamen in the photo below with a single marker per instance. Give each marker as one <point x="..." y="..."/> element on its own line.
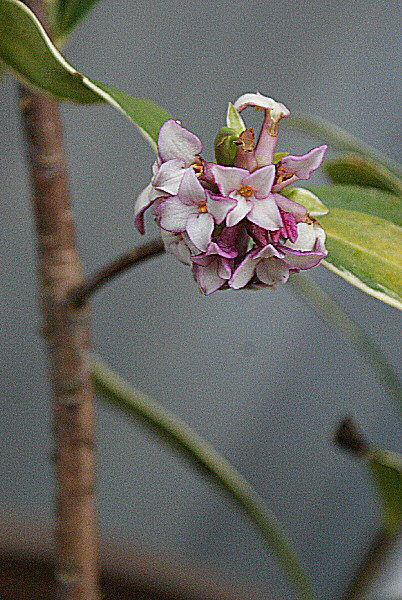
<point x="246" y="191"/>
<point x="199" y="169"/>
<point x="203" y="208"/>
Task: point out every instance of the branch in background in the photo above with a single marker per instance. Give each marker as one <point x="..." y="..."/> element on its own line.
<point x="115" y="268"/>
<point x="349" y="438"/>
<point x="67" y="330"/>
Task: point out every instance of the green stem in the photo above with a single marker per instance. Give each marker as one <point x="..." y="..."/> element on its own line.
<point x="182" y="437"/>
<point x="321" y="302"/>
<point x="340" y="138"/>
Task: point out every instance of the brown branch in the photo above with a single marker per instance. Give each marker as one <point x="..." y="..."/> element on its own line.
<point x="67" y="332"/>
<point x="113" y="269"/>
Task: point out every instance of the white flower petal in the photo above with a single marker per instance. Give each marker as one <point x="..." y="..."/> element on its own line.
<point x="265" y="213"/>
<point x="169" y="176"/>
<point x="303" y="260"/>
<point x="306" y="238"/>
<point x="303" y="166"/>
<point x="261" y="181"/>
<point x="191" y="191"/>
<point x="272" y="271"/>
<point x="277" y="110"/>
<point x="208" y="277"/>
<point x="144" y="201"/>
<point x="240" y="211"/>
<point x="228" y="179"/>
<point x="174" y="214"/>
<point x="199" y="228"/>
<point x="176" y="142"/>
<point x="244" y="272"/>
<point x="219" y="207"/>
<point x="174" y="244"/>
<point x="298" y="211"/>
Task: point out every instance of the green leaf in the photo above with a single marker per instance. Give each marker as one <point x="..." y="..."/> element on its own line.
<point x="365" y="251"/>
<point x="367" y="200"/>
<point x="358" y="170"/>
<point x="201" y="454"/>
<point x="335" y="136"/>
<point x="307" y="199"/>
<point x="387" y="470"/>
<point x="234" y="120"/>
<point x="29" y="53"/>
<point x="66" y="14"/>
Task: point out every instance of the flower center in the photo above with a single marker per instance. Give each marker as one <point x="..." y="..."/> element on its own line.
<point x="198" y="169"/>
<point x="203" y="208"/>
<point x="281" y="175"/>
<point x="246" y="191"/>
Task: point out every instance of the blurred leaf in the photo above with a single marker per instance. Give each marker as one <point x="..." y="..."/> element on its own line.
<point x="362" y="199"/>
<point x="365" y="251"/>
<point x="318" y="299"/>
<point x="29" y="53"/>
<point x="358" y="170"/>
<point x="306" y="198"/>
<point x="387" y="470"/>
<point x="140" y="407"/>
<point x="66" y="14"/>
<point x="335" y="136"/>
<point x="278" y="157"/>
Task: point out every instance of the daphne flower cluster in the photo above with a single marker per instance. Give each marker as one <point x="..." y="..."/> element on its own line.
<point x="229" y="219"/>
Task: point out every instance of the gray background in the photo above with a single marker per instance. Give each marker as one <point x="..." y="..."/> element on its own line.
<point x="257" y="373"/>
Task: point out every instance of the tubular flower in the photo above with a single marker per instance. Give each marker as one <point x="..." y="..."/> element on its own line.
<point x="227" y="219"/>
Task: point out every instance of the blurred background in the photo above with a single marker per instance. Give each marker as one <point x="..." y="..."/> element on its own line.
<point x="256" y="373"/>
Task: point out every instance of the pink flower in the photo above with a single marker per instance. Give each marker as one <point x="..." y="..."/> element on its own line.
<point x="229" y="222"/>
<point x="252" y="193"/>
<point x="194" y="210"/>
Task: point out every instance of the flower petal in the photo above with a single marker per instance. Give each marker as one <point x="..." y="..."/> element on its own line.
<point x="261" y="181"/>
<point x="215" y="248"/>
<point x="306" y="238"/>
<point x="303" y="260"/>
<point x="272" y="271"/>
<point x="208" y="277"/>
<point x="219" y="206"/>
<point x="304" y="166"/>
<point x="174" y="244"/>
<point x="298" y="211"/>
<point x="267" y="252"/>
<point x="174" y="214"/>
<point x="176" y="142"/>
<point x="191" y="191"/>
<point x="225" y="268"/>
<point x="265" y="213"/>
<point x="144" y="201"/>
<point x="199" y="228"/>
<point x="277" y="110"/>
<point x="228" y="179"/>
<point x="169" y="176"/>
<point x="240" y="211"/>
<point x="244" y="272"/>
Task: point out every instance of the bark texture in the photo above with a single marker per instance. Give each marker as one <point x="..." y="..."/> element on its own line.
<point x="67" y="333"/>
